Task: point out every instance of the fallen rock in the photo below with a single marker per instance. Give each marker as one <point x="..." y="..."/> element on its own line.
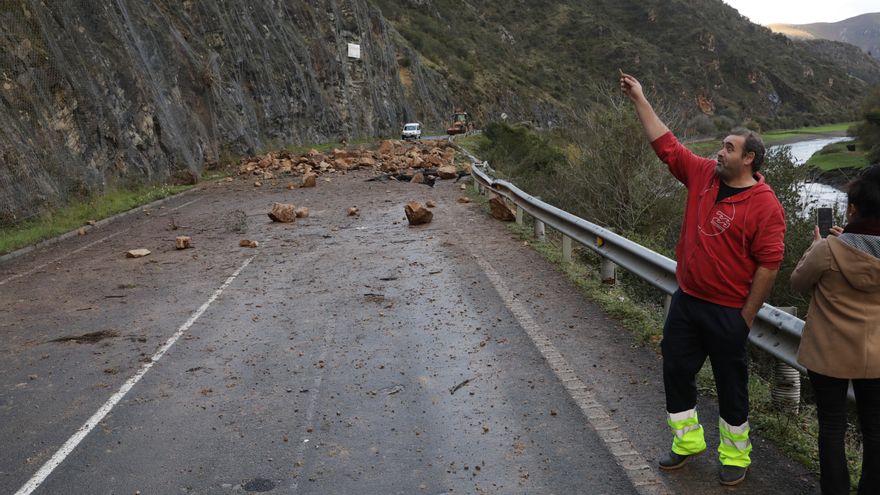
<point x="302" y="212"/>
<point x="282" y="212"/>
<point x="248" y="243"/>
<point x="258" y="184"/>
<point x="447" y="172"/>
<point x="463" y="187"/>
<point x="500" y="210"/>
<point x="464" y="199"/>
<point x="92" y="222"/>
<point x="385" y="147"/>
<point x="417" y="214"/>
<point x="81" y="231"/>
<point x="430" y="204"/>
<point x="418" y="178"/>
<point x="183" y="242"/>
<point x="291" y="186"/>
<point x="353" y="211"/>
<point x="309" y="179"/>
<point x="137" y="253"/>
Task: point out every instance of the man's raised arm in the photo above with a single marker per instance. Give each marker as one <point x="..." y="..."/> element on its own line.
<point x="651" y="123"/>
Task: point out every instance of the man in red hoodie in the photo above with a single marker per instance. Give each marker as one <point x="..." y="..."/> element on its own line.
<point x="728" y="254"/>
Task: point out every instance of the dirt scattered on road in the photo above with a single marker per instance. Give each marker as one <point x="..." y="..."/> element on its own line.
<point x="88" y="338"/>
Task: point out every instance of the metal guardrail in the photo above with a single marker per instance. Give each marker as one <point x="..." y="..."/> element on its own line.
<point x="774" y="331"/>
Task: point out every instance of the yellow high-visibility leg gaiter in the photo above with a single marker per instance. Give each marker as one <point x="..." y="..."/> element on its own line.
<point x="735" y="446"/>
<point x="688" y="433"/>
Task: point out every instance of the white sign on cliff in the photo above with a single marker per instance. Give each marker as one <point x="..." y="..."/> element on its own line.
<point x="354" y="51"/>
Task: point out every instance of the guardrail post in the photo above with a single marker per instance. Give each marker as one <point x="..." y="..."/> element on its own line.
<point x="566" y="248"/>
<point x="607" y="271"/>
<point x="607" y="267"/>
<point x="519" y="215"/>
<point x="667" y="302"/>
<point x="785" y="389"/>
<point x="539" y="230"/>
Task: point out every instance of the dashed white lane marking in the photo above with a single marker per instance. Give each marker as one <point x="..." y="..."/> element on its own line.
<point x="643" y="478"/>
<point x="96" y="418"/>
<point x="65" y="255"/>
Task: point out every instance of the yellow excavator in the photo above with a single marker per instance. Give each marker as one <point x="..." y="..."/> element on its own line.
<point x="461" y="123"/>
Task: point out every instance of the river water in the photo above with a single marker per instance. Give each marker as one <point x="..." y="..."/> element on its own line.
<point x="814" y="194"/>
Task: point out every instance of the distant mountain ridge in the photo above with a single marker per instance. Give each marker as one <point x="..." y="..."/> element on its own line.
<point x="548" y="62"/>
<point x="862" y="31"/>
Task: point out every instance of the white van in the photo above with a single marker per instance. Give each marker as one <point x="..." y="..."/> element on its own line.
<point x="412" y="130"/>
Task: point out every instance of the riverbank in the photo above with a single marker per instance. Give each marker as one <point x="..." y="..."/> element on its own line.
<point x="708" y="147"/>
<point x="802" y="136"/>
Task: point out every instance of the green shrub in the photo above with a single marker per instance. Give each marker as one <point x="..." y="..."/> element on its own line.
<point x="868" y="130"/>
<point x="701" y="125"/>
<point x="752" y="125"/>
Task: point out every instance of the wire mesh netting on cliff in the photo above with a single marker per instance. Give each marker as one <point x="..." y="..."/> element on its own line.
<point x="33" y="110"/>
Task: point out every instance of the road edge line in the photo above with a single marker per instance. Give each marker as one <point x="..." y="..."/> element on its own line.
<point x="643" y="478"/>
<point x="40" y="476"/>
<point x="100" y="223"/>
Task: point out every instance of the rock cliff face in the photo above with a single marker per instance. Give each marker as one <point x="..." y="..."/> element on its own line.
<point x="96" y="93"/>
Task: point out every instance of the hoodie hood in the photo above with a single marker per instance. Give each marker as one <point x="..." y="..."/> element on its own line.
<point x="853" y="256"/>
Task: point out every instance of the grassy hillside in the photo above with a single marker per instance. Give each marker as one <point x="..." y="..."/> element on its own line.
<point x="862" y="31"/>
<point x="547" y="62"/>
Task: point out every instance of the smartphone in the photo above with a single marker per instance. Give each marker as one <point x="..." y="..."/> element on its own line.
<point x="825" y="220"/>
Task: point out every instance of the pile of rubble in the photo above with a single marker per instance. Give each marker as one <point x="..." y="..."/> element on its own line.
<point x="391" y="156"/>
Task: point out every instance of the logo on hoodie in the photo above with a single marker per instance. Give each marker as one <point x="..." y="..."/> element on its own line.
<point x="720" y="222"/>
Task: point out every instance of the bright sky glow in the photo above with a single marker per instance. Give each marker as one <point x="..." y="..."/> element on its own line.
<point x="802" y="11"/>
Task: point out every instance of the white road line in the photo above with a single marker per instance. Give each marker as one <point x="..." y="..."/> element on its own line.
<point x="65" y="255"/>
<point x="181" y="206"/>
<point x="96" y="418"/>
<point x="640" y="474"/>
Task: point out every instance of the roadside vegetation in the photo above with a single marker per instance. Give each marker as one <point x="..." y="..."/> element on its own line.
<point x="868" y="129"/>
<point x="78" y="213"/>
<point x="610" y="176"/>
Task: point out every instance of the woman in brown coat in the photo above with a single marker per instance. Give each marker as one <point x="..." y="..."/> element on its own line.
<point x="841" y="338"/>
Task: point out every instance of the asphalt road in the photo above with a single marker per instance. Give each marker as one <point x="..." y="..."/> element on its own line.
<point x="345" y="354"/>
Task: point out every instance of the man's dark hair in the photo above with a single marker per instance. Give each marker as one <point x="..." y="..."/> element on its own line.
<point x="864" y="192"/>
<point x="753" y="143"/>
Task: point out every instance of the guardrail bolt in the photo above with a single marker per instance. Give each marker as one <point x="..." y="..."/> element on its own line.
<point x="539" y="230"/>
<point x="566" y="248"/>
<point x="785" y="389"/>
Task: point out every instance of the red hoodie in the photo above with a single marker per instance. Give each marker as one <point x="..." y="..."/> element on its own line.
<point x="721" y="244"/>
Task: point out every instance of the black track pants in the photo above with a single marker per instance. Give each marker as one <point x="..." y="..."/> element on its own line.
<point x="831" y="406"/>
<point x="694" y="330"/>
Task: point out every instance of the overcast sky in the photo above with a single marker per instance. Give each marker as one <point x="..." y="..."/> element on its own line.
<point x="802" y="11"/>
